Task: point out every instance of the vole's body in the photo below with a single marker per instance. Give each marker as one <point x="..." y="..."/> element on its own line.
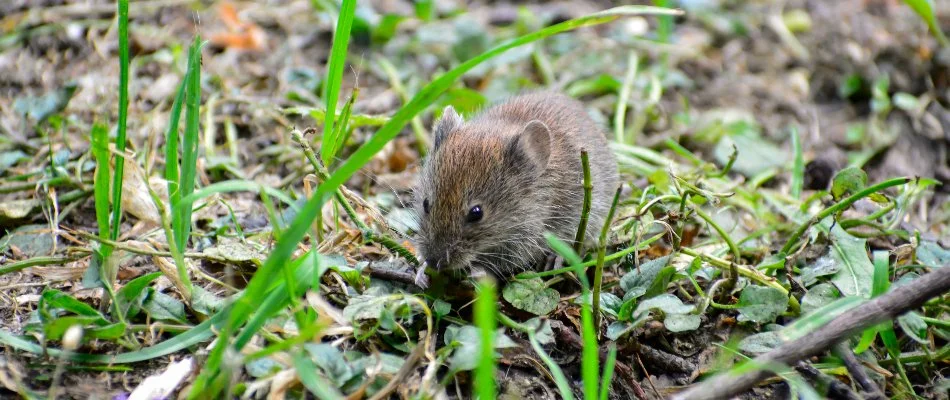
<point x="492" y="186"/>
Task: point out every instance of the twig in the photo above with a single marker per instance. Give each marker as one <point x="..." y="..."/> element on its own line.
<point x="885" y="307"/>
<point x="835" y="389"/>
<point x="868" y="388"/>
<point x="392" y="275"/>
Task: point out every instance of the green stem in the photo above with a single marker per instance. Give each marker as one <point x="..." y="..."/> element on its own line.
<point x="841" y="205"/>
<point x="620" y="114"/>
<point x="620" y="254"/>
<point x="368" y="234"/>
<point x="585" y="211"/>
<point x="722" y="233"/>
<point x="601" y="252"/>
<point x="747" y="272"/>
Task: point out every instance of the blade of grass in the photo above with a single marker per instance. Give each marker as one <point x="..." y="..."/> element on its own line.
<point x="313" y="380"/>
<point x="608" y="372"/>
<point x="341" y="40"/>
<point x="620" y="115"/>
<point x="189" y="157"/>
<point x="798" y="168"/>
<point x="237" y="186"/>
<point x="925" y="9"/>
<point x="171" y="144"/>
<point x="100" y="150"/>
<point x="277" y="300"/>
<point x="485" y="310"/>
<point x="342" y="130"/>
<point x="258" y="285"/>
<point x="123" y="117"/>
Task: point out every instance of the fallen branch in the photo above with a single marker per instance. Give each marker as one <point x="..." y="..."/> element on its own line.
<point x="886" y="307"/>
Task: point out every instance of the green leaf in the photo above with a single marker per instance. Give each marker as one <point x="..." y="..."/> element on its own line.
<point x="334" y="79"/>
<point x="856" y="275"/>
<point x="40" y="108"/>
<point x="441" y="308"/>
<point x="761" y="304"/>
<point x="54" y="330"/>
<point x="596" y="85"/>
<point x="107" y="332"/>
<point x="55" y="299"/>
<point x="331" y="361"/>
<point x="532" y="296"/>
<point x="925" y="9"/>
<point x="467" y="342"/>
<point x="681" y="322"/>
<point x="131" y="296"/>
<point x="542" y="330"/>
<point x="11" y="158"/>
<point x="850" y="85"/>
<point x="649" y="280"/>
<point x="667" y="303"/>
<point x="932" y="255"/>
<point x="756" y="154"/>
<point x="316" y="383"/>
<point x="760" y="343"/>
<point x="818" y="296"/>
<point x="848" y="181"/>
<point x="914" y="326"/>
<point x="31" y="240"/>
<point x="163" y="307"/>
<point x="206" y="302"/>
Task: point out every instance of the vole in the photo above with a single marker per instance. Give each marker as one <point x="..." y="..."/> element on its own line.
<point x="490" y="187"/>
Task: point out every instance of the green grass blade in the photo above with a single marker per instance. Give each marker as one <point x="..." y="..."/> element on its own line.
<point x="341" y="40"/>
<point x="313" y="380"/>
<point x="925" y="9"/>
<point x="295" y="233"/>
<point x="171" y="145"/>
<point x="236" y="186"/>
<point x="100" y="150"/>
<point x="608" y="372"/>
<point x="485" y="308"/>
<point x="798" y="168"/>
<point x="123" y="117"/>
<point x="563" y="386"/>
<point x="620" y="115"/>
<point x="200" y="333"/>
<point x="590" y="352"/>
<point x="189" y="157"/>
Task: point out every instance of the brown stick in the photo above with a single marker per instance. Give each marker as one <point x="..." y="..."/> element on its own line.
<point x="888" y="306"/>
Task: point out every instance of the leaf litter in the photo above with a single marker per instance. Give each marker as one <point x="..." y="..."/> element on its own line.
<point x="728" y="78"/>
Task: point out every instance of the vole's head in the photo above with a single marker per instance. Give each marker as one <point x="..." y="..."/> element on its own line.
<point x="476" y="199"/>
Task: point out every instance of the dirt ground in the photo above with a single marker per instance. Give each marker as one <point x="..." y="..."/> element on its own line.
<point x="727" y="59"/>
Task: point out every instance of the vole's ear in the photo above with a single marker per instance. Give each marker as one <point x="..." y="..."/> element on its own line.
<point x="533" y="144"/>
<point x="449" y="122"/>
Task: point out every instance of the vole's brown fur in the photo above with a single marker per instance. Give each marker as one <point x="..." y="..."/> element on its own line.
<point x="520" y="163"/>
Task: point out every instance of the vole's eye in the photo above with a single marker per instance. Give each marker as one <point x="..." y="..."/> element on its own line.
<point x="474" y="214"/>
<point x="425" y="205"/>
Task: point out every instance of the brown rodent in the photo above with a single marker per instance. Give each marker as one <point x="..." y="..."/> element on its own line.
<point x="492" y="186"/>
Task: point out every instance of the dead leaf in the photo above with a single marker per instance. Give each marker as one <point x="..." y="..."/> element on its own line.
<point x="241" y="35"/>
